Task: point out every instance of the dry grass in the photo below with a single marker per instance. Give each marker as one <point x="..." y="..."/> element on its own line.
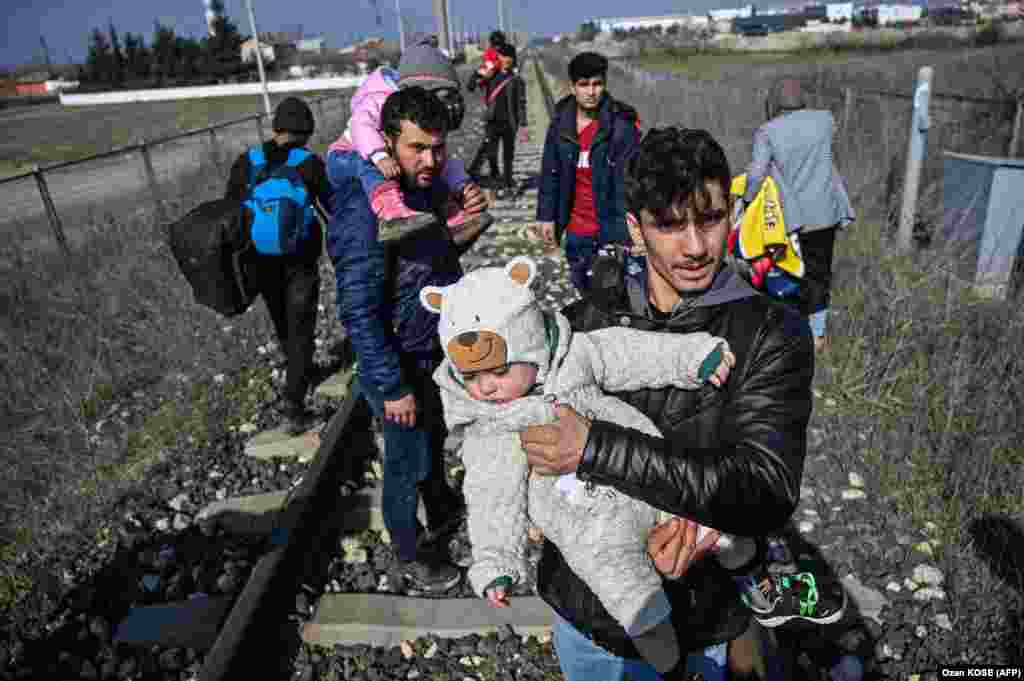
<point x="51" y="133"/>
<point x="927" y="378"/>
<point x="107" y="365"/>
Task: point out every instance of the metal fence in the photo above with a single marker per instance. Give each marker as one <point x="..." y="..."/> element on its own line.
<point x="165" y="176"/>
<point x="872" y="128"/>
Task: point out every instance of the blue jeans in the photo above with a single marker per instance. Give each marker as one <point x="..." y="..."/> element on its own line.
<point x="580" y="252"/>
<point x="345" y="166"/>
<point x="412" y="463"/>
<point x="583" y="660"/>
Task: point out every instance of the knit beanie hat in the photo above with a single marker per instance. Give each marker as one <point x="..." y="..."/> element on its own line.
<point x="490" y="318"/>
<point x="293" y="115"/>
<point x="427" y="67"/>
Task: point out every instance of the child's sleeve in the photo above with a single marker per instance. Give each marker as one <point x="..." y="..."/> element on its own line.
<point x="496" y="493"/>
<point x="364" y="126"/>
<point x="627" y="359"/>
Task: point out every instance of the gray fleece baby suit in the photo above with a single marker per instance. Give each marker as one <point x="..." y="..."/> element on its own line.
<point x="490" y="318"/>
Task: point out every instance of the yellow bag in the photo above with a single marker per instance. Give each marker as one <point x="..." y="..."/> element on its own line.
<point x="759" y="239"/>
<point x="761" y="230"/>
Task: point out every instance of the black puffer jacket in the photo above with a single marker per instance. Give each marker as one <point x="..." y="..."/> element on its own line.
<point x="730" y="459"/>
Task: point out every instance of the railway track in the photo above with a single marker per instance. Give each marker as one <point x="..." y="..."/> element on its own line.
<point x="261" y="631"/>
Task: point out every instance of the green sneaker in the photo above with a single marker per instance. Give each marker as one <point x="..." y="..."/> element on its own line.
<point x="790" y="597"/>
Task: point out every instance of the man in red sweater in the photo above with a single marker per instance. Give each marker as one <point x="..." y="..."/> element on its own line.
<point x="581" y="187"/>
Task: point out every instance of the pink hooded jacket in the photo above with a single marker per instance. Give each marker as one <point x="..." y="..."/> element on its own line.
<point x="362" y="134"/>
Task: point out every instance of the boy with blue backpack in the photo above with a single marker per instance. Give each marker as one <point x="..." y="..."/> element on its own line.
<point x="279" y="184"/>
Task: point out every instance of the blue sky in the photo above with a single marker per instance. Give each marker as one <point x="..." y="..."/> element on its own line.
<point x="66" y="24"/>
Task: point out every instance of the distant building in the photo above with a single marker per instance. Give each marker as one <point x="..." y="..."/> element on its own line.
<point x="764" y="24"/>
<point x="641" y="23"/>
<point x="249" y="51"/>
<point x="839" y="11"/>
<point x="310" y="45"/>
<point x="716" y="15"/>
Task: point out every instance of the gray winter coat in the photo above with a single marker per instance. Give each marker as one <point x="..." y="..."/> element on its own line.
<point x="601" y="532"/>
<point x="796" y="150"/>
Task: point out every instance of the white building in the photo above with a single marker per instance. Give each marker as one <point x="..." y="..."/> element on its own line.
<point x="731" y="13"/>
<point x="895" y="14"/>
<point x="837" y="11"/>
<point x="249" y="51"/>
<point x="643" y="23"/>
<point x="310" y="44"/>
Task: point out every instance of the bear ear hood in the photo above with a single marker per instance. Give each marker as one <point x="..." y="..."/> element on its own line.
<point x="522" y="270"/>
<point x="490" y="318"/>
<point x="431" y="297"/>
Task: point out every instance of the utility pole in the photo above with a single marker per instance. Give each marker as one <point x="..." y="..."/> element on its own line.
<point x="259" y="57"/>
<point x="46" y="53"/>
<point x="451" y="36"/>
<point x="441" y="15"/>
<point x="501" y="15"/>
<point x="401" y="26"/>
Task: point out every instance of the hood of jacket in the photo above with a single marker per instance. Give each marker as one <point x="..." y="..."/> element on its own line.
<point x="609" y="109"/>
<point x="461" y="410"/>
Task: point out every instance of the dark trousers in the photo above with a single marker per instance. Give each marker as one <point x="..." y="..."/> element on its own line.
<point x="489" y="151"/>
<point x="580" y="252"/>
<point x="817" y="249"/>
<point x="413" y="461"/>
<point x="291" y="289"/>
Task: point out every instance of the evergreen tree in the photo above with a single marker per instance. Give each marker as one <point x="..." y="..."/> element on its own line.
<point x="163" y="59"/>
<point x="98" y="61"/>
<point x="222" y="51"/>
<point x="116" y="57"/>
<point x="587" y="32"/>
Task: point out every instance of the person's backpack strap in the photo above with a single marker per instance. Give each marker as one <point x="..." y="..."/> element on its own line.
<point x="257" y="165"/>
<point x="297" y="156"/>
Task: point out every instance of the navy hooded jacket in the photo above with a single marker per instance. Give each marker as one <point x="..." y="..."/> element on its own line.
<point x="618" y="135"/>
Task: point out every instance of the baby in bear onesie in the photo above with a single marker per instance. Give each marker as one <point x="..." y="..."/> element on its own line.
<point x="507" y="363"/>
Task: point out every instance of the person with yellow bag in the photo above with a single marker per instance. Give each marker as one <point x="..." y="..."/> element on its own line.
<point x="793" y="149"/>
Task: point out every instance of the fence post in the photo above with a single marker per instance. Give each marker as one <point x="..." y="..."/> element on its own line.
<point x="883" y="119"/>
<point x="51" y="210"/>
<point x="847" y="108"/>
<point x="919" y="124"/>
<point x="154" y="188"/>
<point x="1018" y="129"/>
<point x="259" y="128"/>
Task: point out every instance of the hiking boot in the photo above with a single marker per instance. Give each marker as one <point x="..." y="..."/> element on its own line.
<point x="396" y="220"/>
<point x="790" y="597"/>
<point x="429" y="575"/>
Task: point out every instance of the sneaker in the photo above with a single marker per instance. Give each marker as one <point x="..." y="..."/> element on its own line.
<point x="430" y="576"/>
<point x="397" y="220"/>
<point x="788" y="597"/>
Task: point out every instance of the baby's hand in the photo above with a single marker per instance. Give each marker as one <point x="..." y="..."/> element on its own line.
<point x="388" y="167"/>
<point x="717" y="365"/>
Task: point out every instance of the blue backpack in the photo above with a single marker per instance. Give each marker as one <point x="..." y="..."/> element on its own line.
<point x="280" y="205"/>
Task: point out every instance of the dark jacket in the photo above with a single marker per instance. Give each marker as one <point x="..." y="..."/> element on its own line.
<point x="313" y="174"/>
<point x="618" y="135"/>
<point x="731" y="459"/>
<point x="505" y="97"/>
<point x="379" y="287"/>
